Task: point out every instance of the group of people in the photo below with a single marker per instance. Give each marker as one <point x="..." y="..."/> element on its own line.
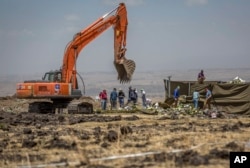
<point x="196" y="94"/>
<point x="133" y="96"/>
<point x="120" y="97"/>
<point x="208" y="97"/>
<point x="196" y="97"/>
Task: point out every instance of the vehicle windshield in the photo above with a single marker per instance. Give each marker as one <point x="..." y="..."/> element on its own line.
<point x="53" y="76"/>
<point x="49" y="77"/>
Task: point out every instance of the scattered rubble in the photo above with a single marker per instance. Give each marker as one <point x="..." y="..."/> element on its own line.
<point x="166" y="137"/>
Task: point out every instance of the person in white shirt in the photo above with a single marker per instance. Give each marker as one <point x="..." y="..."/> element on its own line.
<point x="143" y="96"/>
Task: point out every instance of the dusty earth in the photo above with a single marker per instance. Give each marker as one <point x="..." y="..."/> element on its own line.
<point x="117" y="139"/>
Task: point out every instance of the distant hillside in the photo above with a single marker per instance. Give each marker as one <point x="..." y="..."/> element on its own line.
<point x="151" y="81"/>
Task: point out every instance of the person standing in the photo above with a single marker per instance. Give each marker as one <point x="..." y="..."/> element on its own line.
<point x="103" y="96"/>
<point x="113" y="99"/>
<point x="176" y="96"/>
<point x="208" y="99"/>
<point x="143" y="96"/>
<point x="100" y="99"/>
<point x="201" y="77"/>
<point x="129" y="94"/>
<point x="132" y="96"/>
<point x="196" y="96"/>
<point x="136" y="96"/>
<point x="121" y="96"/>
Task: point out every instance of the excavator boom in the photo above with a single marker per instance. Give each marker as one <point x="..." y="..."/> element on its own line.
<point x="124" y="67"/>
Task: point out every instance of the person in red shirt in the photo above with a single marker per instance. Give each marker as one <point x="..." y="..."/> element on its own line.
<point x="104" y="97"/>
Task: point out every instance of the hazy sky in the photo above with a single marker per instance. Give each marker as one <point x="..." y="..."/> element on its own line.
<point x="162" y="34"/>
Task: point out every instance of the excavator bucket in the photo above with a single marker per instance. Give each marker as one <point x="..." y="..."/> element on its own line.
<point x="125" y="70"/>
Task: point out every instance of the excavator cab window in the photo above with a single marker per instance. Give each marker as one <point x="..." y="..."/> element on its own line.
<point x="53" y="76"/>
<point x="49" y="76"/>
<point x="57" y="77"/>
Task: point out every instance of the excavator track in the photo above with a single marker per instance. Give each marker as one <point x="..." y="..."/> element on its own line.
<point x="43" y="107"/>
<point x="125" y="70"/>
<point x="72" y="107"/>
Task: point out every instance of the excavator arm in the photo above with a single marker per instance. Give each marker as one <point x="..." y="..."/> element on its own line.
<point x="124" y="67"/>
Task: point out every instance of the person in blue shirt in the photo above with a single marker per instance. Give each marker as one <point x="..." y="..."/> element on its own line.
<point x="208" y="99"/>
<point x="113" y="99"/>
<point x="176" y="96"/>
<point x="196" y="97"/>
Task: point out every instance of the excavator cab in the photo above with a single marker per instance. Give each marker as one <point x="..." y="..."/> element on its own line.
<point x="52" y="76"/>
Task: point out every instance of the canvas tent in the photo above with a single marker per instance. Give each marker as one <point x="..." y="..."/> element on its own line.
<point x="228" y="97"/>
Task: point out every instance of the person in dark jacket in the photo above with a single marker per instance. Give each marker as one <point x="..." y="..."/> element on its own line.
<point x="133" y="96"/>
<point x="129" y="94"/>
<point x="121" y="96"/>
<point x="201" y="77"/>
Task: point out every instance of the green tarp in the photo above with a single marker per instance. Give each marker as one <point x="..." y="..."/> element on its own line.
<point x="230" y="98"/>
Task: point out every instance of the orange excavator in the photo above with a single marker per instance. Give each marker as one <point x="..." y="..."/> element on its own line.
<point x="61" y="86"/>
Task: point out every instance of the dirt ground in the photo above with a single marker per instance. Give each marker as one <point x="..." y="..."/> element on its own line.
<point x="117" y="139"/>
